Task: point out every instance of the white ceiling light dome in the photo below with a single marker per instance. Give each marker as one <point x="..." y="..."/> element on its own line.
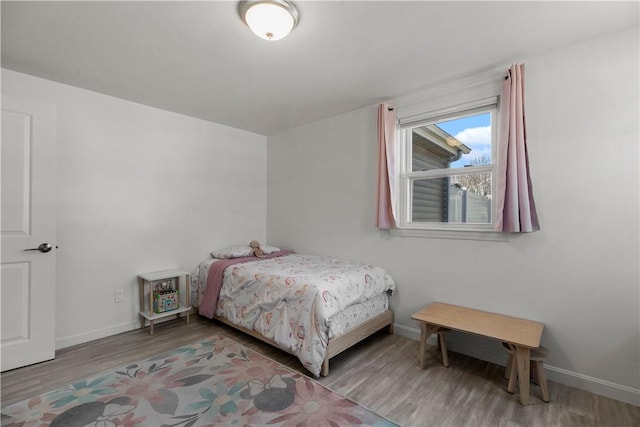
<point x="270" y="19"/>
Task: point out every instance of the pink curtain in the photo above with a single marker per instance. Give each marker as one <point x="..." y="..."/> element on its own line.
<point x="385" y="217"/>
<point x="516" y="210"/>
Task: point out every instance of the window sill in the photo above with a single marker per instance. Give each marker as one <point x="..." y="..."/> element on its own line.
<point x="452" y="234"/>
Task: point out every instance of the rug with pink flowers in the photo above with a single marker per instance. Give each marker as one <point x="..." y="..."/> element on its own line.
<point x="212" y="382"/>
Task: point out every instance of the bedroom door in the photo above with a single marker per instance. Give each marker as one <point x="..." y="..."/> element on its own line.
<point x="28" y="221"/>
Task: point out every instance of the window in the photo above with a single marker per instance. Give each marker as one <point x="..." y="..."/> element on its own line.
<point x="447" y="168"/>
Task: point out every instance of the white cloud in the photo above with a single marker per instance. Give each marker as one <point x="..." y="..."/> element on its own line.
<point x="479" y="140"/>
<point x="475" y="137"/>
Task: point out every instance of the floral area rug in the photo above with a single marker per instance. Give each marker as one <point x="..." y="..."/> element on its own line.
<point x="212" y="382"/>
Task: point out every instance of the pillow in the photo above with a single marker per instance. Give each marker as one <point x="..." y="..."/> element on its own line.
<point x="241" y="251"/>
<point x="232" y="252"/>
<point x="268" y="249"/>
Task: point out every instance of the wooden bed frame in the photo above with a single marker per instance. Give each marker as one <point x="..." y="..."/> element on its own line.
<point x="338" y="344"/>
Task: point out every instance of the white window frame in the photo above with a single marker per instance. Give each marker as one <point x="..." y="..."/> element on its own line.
<point x="433" y="107"/>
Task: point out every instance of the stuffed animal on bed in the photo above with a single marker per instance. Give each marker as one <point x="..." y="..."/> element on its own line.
<point x="257" y="251"/>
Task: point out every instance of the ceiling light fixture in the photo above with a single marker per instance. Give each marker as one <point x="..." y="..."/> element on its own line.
<point x="270" y="19"/>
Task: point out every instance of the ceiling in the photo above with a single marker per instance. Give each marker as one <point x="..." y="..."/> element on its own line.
<point x="199" y="59"/>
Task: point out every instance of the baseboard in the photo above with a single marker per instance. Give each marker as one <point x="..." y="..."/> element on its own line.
<point x="595" y="385"/>
<point x="573" y="379"/>
<point x="95" y="334"/>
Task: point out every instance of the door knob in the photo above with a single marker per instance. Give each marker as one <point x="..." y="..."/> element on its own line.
<point x="44" y="248"/>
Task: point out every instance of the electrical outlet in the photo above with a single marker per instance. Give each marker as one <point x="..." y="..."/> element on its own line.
<point x="119" y="295"/>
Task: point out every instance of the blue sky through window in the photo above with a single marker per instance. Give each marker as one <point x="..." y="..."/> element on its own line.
<point x="474" y="132"/>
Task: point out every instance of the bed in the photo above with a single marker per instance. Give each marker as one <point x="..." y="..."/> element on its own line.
<point x="310" y="306"/>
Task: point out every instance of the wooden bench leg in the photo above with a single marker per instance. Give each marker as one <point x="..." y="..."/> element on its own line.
<point x="442" y="344"/>
<point x="523" y="363"/>
<point x="426" y="330"/>
<point x="423" y="345"/>
<point x="512" y="375"/>
<point x="507" y="369"/>
<point x="542" y="380"/>
<point x="537" y="374"/>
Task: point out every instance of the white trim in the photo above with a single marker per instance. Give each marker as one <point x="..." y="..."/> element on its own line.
<point x="456" y="234"/>
<point x="107" y="332"/>
<point x="577" y="380"/>
<point x="458" y="91"/>
<point x="407" y="177"/>
<point x="96" y="334"/>
<point x="606" y="388"/>
<point x="406" y="331"/>
<point x="445" y="173"/>
<point x="450" y="112"/>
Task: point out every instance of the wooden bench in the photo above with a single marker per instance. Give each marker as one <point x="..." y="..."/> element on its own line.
<point x="523" y="334"/>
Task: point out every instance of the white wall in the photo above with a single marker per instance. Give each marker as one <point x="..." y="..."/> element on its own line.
<point x="578" y="275"/>
<point x="138" y="190"/>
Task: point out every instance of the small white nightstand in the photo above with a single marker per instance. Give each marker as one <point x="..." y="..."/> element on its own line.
<point x="146" y="297"/>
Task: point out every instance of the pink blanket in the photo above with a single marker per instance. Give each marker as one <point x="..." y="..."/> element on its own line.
<point x="209" y="301"/>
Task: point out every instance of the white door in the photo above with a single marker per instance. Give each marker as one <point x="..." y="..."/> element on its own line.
<point x="27" y="280"/>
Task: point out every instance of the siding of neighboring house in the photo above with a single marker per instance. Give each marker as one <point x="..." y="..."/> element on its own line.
<point x="429" y="196"/>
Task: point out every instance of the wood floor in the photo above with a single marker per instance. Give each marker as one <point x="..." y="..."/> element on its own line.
<point x="380" y="373"/>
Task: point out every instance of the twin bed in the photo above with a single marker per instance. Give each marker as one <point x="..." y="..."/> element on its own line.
<point x="310" y="306"/>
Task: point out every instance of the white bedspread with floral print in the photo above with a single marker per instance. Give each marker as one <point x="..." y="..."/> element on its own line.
<point x="289" y="299"/>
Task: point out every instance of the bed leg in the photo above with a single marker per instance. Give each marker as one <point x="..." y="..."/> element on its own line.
<point x="390" y="328"/>
<point x="324" y="371"/>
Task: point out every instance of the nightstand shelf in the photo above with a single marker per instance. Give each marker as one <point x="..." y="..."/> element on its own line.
<point x="147" y="281"/>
